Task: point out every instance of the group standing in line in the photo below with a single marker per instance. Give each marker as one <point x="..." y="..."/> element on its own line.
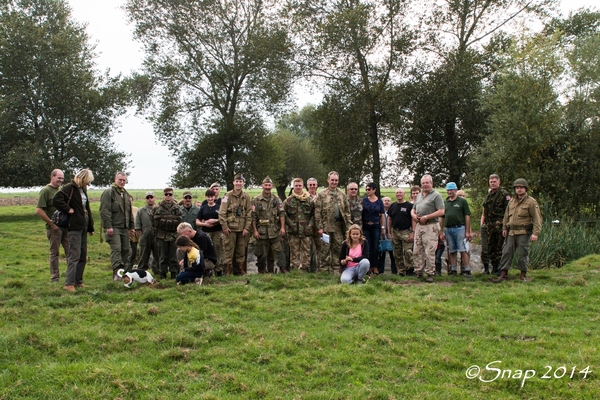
<point x="329" y="231"/>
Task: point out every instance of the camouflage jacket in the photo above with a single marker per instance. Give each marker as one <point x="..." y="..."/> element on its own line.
<point x="494" y="205"/>
<point x="165" y="219"/>
<point x="266" y="215"/>
<point x="299" y="216"/>
<point x="325" y="215"/>
<point x="356" y="209"/>
<point x="235" y="212"/>
<point x="115" y="209"/>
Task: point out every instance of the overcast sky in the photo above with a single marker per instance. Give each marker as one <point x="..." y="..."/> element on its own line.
<point x="151" y="163"/>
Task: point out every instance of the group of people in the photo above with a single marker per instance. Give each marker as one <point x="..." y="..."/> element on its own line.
<point x="331" y="231"/>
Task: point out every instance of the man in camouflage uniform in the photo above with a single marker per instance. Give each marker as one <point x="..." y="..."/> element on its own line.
<point x="235" y="217"/>
<point x="189" y="211"/>
<point x="117" y="221"/>
<point x="522" y="224"/>
<point x="268" y="224"/>
<point x="355" y="203"/>
<point x="165" y="219"/>
<point x="493" y="212"/>
<point x="315" y="241"/>
<point x="332" y="217"/>
<point x="300" y="220"/>
<point x="143" y="225"/>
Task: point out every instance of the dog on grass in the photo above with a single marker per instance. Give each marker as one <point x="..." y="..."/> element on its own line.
<point x="137" y="275"/>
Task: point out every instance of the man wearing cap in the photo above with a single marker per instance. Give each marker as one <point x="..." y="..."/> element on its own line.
<point x="235" y="217"/>
<point x="268" y="226"/>
<point x="521" y="225"/>
<point x="428" y="208"/>
<point x="117" y="222"/>
<point x="332" y="217"/>
<point x="143" y="225"/>
<point x="189" y="211"/>
<point x="55" y="234"/>
<point x="455" y="227"/>
<point x="401" y="228"/>
<point x="494" y="207"/>
<point x="166" y="217"/>
<point x="300" y="220"/>
<point x="216" y="187"/>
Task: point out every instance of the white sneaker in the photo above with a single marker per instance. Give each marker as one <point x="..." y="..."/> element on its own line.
<point x="198" y="281"/>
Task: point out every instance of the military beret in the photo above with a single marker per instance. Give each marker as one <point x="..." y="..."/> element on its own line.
<point x="267" y="180"/>
<point x="239" y="177"/>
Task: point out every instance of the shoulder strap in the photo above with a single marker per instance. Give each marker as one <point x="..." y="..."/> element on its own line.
<point x="71" y="195"/>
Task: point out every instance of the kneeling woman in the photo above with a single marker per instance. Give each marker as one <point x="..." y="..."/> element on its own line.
<point x="354" y="256"/>
<point x="192" y="263"/>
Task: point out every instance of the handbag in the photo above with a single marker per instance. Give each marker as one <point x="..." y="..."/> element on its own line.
<point x="60" y="218"/>
<point x="385" y="245"/>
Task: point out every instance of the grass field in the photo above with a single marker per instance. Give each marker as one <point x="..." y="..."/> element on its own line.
<point x="293" y="336"/>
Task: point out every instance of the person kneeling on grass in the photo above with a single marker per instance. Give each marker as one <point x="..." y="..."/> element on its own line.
<point x="354" y="256"/>
<point x="192" y="265"/>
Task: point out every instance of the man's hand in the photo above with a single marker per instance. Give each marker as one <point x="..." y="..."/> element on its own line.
<point x="245" y="233"/>
<point x="534" y="238"/>
<point x="110" y="232"/>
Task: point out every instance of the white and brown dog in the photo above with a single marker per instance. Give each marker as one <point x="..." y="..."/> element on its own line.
<point x="137" y="275"/>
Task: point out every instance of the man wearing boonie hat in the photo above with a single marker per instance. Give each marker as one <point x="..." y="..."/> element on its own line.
<point x="455" y="227"/>
<point x="235" y="217"/>
<point x="143" y="225"/>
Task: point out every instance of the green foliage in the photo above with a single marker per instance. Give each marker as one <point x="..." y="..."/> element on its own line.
<point x="55" y="110"/>
<point x="286" y="336"/>
<point x="211" y="63"/>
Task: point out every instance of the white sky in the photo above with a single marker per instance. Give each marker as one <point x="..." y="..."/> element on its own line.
<point x="151" y="163"/>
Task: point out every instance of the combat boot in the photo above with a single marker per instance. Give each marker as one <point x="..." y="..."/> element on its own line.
<point x="523" y="276"/>
<point x="495" y="270"/>
<point x="438" y="268"/>
<point x="503" y="276"/>
<point x="486" y="268"/>
<point x="173" y="275"/>
<point x="227" y="269"/>
<point x="262" y="270"/>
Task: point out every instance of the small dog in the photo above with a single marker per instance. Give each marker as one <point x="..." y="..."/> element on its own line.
<point x="137" y="275"/>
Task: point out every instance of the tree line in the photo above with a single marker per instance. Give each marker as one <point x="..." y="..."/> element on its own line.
<point x="460" y="88"/>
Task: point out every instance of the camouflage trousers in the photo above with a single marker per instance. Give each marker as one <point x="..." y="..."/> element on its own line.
<point x="329" y="257"/>
<point x="426" y="241"/>
<point x="403" y="250"/>
<point x="495" y="242"/>
<point x="315" y="251"/>
<point x="299" y="252"/>
<point x="235" y="243"/>
<point x="217" y="241"/>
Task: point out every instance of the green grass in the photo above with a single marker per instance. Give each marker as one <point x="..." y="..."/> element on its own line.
<point x="291" y="337"/>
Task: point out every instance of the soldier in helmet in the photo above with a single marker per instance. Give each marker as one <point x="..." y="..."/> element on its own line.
<point x="235" y="217"/>
<point x="521" y="225"/>
<point x="268" y="224"/>
<point x="493" y="211"/>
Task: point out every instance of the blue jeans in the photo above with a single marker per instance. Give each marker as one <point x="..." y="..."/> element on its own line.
<point x="372" y="234"/>
<point x="456" y="239"/>
<point x="357" y="272"/>
<point x="188" y="276"/>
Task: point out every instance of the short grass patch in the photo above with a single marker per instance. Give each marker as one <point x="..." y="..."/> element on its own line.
<point x="296" y="336"/>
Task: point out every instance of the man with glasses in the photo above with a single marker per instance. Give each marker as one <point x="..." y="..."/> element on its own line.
<point x="117" y="221"/>
<point x="355" y="203"/>
<point x="143" y="225"/>
<point x="521" y="225"/>
<point x="189" y="211"/>
<point x="429" y="207"/>
<point x="332" y="217"/>
<point x="166" y="217"/>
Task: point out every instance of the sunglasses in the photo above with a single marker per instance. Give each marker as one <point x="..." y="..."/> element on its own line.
<point x="149" y="197"/>
<point x="168" y="194"/>
<point x="187" y="197"/>
<point x="353" y="189"/>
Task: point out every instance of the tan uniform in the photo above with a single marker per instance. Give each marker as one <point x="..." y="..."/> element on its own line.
<point x="235" y="214"/>
<point x="332" y="215"/>
<point x="267" y="216"/>
<point x="522" y="218"/>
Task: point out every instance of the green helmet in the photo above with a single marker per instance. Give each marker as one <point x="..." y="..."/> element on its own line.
<point x="521" y="182"/>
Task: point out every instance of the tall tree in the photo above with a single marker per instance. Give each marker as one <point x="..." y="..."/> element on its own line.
<point x="446" y="117"/>
<point x="358" y="48"/>
<point x="207" y="61"/>
<point x="56" y="111"/>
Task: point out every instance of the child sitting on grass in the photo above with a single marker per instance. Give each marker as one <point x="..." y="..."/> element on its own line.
<point x="192" y="265"/>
